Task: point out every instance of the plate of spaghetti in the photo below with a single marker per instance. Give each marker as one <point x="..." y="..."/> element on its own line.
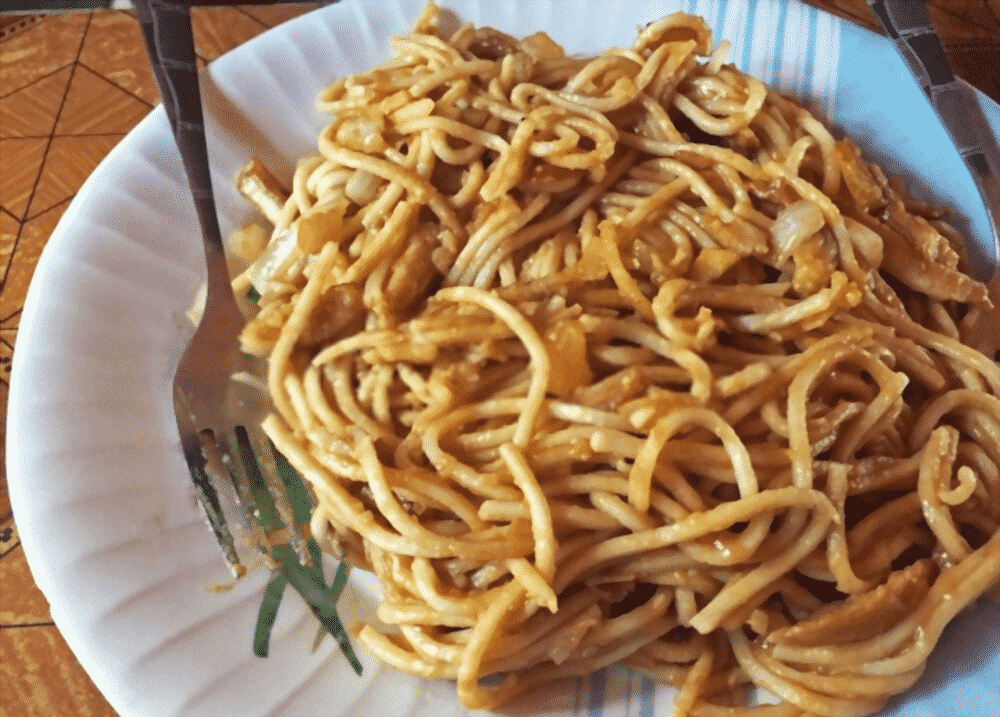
<point x="622" y="360"/>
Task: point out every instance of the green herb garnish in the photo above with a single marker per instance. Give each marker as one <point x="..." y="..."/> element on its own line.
<point x="322" y="600"/>
<point x="268" y="613"/>
<point x="306" y="577"/>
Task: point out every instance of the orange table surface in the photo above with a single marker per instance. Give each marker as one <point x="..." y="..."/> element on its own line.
<point x="71" y="86"/>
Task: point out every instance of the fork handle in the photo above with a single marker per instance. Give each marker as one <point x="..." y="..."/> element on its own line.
<point x="166" y="28"/>
<point x="909" y="26"/>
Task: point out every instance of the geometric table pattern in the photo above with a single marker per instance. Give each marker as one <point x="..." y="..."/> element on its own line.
<point x="71" y="86"/>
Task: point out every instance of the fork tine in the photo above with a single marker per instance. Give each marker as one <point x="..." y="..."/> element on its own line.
<point x="208" y="497"/>
<point x="268" y="491"/>
<point x="265" y="453"/>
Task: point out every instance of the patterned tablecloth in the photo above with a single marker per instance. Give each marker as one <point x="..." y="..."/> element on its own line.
<point x="71" y="86"/>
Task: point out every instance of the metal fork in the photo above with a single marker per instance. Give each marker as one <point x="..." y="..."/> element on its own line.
<point x="908" y="25"/>
<point x="203" y="378"/>
<point x="219" y="416"/>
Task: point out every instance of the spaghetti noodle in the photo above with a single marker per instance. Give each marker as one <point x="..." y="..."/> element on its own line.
<point x="627" y="358"/>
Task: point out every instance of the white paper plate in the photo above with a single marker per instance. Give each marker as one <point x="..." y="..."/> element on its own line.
<point x="97" y="480"/>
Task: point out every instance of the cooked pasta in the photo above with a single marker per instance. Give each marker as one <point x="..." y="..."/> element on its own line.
<point x="627" y="358"/>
